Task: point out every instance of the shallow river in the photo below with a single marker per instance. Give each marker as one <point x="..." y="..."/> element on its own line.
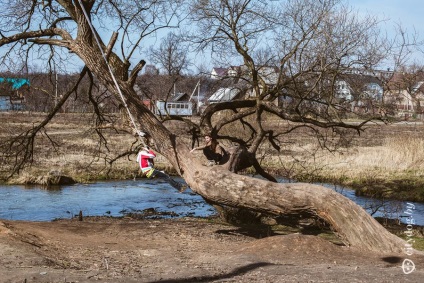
<point x="104" y="198"/>
<point x="120" y="197"/>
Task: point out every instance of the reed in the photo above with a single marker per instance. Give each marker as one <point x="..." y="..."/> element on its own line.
<point x="397" y="155"/>
<point x="395" y="168"/>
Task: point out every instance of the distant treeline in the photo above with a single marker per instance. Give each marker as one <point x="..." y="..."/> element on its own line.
<point x="43" y="91"/>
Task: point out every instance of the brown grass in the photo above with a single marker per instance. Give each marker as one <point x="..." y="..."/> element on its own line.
<point x="396" y="155"/>
<point x="390" y="155"/>
<point x="392" y="165"/>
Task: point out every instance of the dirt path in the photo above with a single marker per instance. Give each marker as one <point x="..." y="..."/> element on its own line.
<point x="185" y="250"/>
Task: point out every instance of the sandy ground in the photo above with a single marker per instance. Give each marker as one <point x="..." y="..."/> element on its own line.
<point x="184" y="250"/>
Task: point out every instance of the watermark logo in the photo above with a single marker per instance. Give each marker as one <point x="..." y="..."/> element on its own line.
<point x="408" y="265"/>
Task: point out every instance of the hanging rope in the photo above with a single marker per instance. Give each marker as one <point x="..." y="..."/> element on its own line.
<point x="139" y="133"/>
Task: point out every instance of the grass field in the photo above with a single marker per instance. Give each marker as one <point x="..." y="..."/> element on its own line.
<point x="385" y="161"/>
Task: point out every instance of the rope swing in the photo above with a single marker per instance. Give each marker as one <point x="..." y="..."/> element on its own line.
<point x="144" y="155"/>
<point x="139" y="133"/>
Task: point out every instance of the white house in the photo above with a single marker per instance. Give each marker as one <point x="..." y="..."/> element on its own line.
<point x="343" y="90"/>
<point x="219" y="73"/>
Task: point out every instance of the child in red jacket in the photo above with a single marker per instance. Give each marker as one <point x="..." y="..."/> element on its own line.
<point x="145" y="160"/>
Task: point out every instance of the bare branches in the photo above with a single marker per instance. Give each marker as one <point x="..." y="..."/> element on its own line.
<point x="293" y="56"/>
<point x="134" y="73"/>
<point x="214" y="108"/>
<point x="172" y="55"/>
<point x="18" y="151"/>
<point x="26" y="35"/>
<point x="313" y="42"/>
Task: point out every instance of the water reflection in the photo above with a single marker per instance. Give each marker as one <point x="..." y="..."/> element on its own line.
<point x="122" y="197"/>
<point x="103" y="198"/>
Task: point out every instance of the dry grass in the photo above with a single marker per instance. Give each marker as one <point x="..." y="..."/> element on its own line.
<point x="396" y="155"/>
<point x="77" y="150"/>
<point x="392" y="167"/>
<point x="392" y="153"/>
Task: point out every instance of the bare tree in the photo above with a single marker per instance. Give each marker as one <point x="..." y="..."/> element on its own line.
<point x="298" y="50"/>
<point x="171" y="55"/>
<point x="314" y="42"/>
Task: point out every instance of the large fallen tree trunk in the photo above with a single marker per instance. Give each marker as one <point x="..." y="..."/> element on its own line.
<point x="216" y="184"/>
<point x="348" y="220"/>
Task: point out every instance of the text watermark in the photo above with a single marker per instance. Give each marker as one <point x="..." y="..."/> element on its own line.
<point x="408" y="265"/>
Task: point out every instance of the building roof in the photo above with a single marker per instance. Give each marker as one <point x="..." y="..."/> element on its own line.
<point x="224" y="94"/>
<point x="357" y="82"/>
<point x="180" y="97"/>
<point x="419" y="86"/>
<point x="219" y="72"/>
<point x="17" y="83"/>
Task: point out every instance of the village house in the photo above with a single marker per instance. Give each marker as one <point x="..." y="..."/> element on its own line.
<point x="218" y="73"/>
<point x="267" y="73"/>
<point x="364" y="92"/>
<point x="407" y="97"/>
<point x="364" y="89"/>
<point x="178" y="105"/>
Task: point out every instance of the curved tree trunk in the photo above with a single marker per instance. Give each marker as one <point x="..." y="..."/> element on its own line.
<point x="216" y="184"/>
<point x="348" y="220"/>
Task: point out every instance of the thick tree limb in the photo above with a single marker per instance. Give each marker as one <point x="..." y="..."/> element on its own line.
<point x="350" y="221"/>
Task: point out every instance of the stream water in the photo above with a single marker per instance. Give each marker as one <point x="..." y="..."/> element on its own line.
<point x="117" y="198"/>
<point x="114" y="198"/>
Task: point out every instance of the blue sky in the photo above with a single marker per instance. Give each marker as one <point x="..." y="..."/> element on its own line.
<point x="407" y="12"/>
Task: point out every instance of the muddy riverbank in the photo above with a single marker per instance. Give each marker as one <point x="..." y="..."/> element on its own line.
<point x="184" y="250"/>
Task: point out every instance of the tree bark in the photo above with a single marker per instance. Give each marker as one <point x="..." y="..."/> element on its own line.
<point x="218" y="185"/>
<point x="349" y="221"/>
<point x="240" y="158"/>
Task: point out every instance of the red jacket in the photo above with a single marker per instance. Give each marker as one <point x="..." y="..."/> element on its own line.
<point x="145" y="160"/>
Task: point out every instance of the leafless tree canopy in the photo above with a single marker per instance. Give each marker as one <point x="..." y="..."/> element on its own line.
<point x="293" y="53"/>
<point x="51" y="33"/>
<point x="171" y="55"/>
